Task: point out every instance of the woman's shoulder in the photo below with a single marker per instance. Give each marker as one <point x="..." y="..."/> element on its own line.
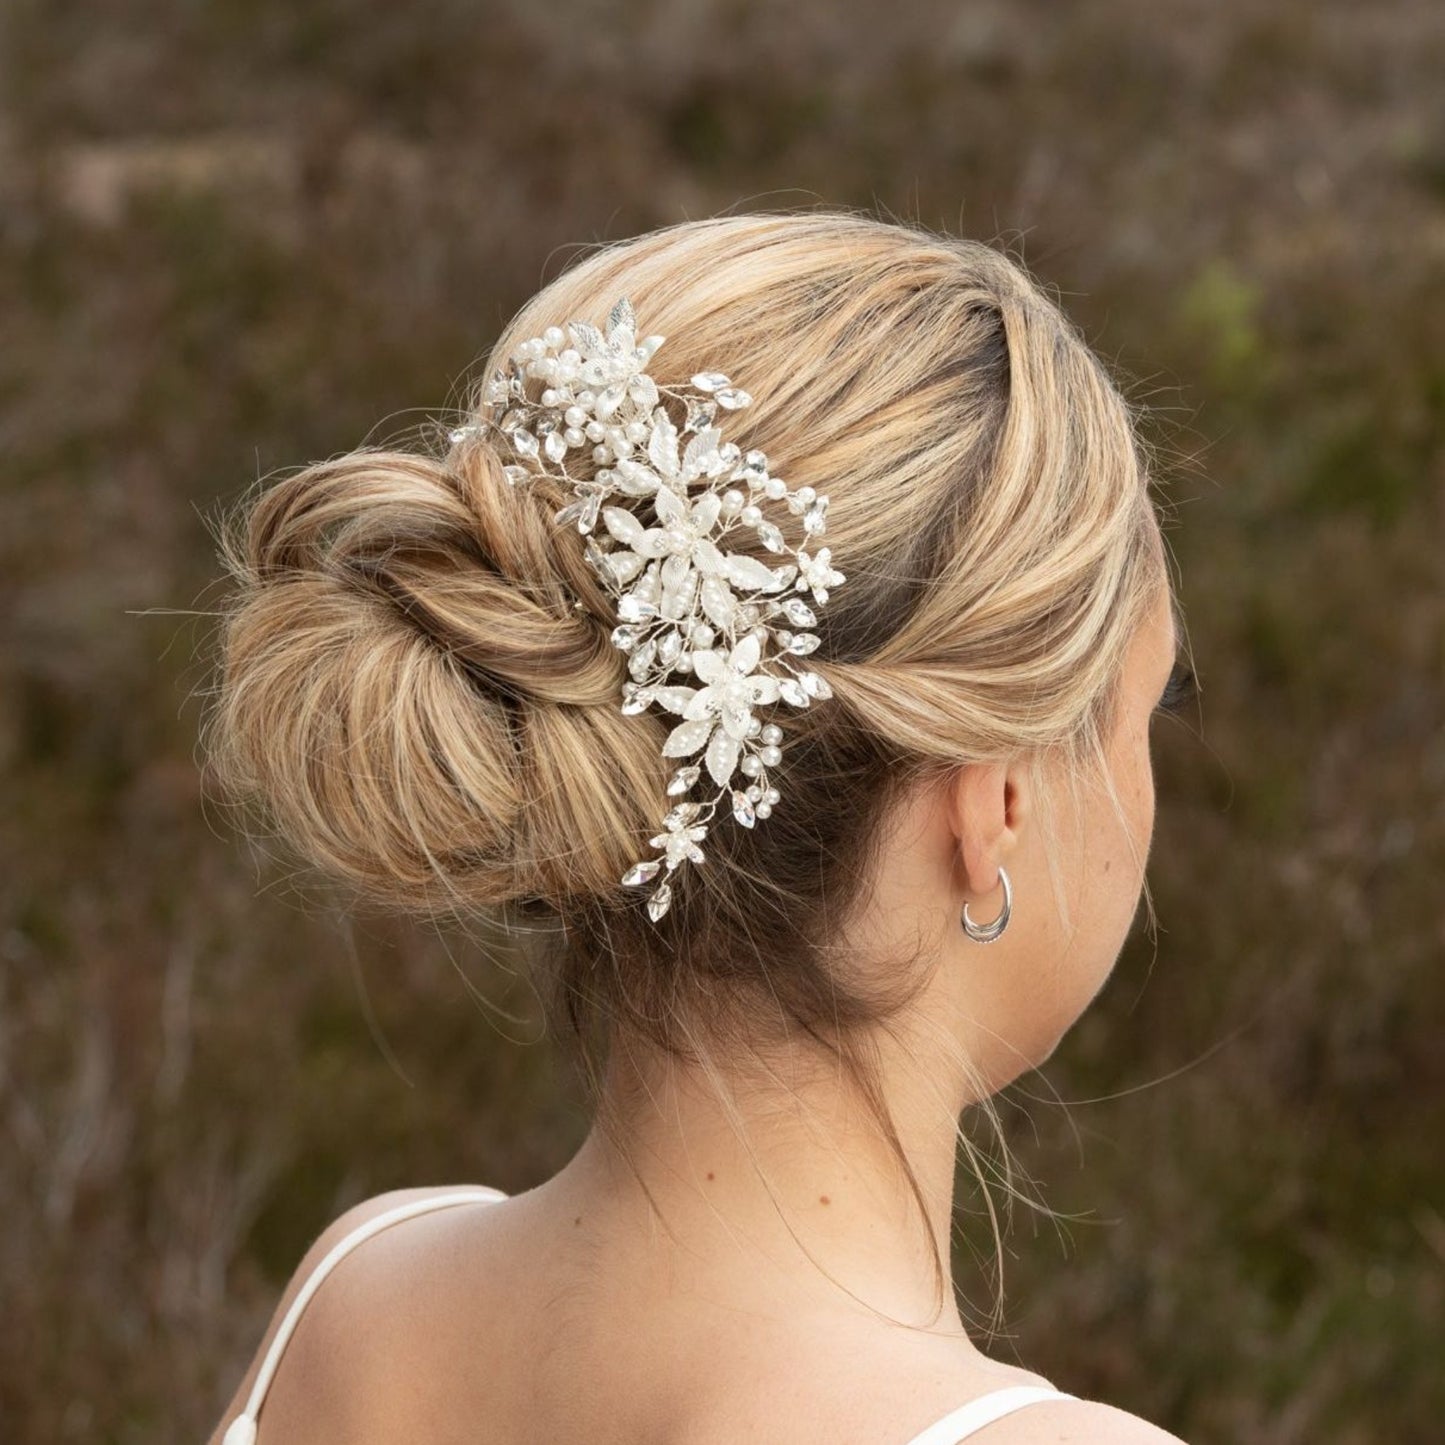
<point x="323" y="1373"/>
<point x="1077" y="1421"/>
<point x="1092" y="1422"/>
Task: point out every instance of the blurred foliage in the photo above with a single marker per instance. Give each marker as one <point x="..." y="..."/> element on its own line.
<point x="235" y="237"/>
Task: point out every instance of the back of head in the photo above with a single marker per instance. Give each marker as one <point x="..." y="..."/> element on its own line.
<point x="410" y="692"/>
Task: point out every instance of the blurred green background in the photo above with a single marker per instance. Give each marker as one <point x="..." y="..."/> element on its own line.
<point x="235" y="237"/>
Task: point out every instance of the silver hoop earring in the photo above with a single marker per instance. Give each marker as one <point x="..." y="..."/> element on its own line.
<point x="987" y="932"/>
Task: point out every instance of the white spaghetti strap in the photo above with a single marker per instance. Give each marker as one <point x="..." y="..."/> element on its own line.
<point x="242" y="1430"/>
<point x="960" y="1423"/>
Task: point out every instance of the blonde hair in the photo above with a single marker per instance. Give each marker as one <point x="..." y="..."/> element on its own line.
<point x="408" y="692"/>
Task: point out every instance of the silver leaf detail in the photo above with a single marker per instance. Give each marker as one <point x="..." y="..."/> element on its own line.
<point x="688" y="737"/>
<point x="722" y="756"/>
<point x="588" y="338"/>
<point x="718" y="601"/>
<point x="749" y="572"/>
<point x="675" y="699"/>
<point x="621" y="315"/>
<point x="623" y="565"/>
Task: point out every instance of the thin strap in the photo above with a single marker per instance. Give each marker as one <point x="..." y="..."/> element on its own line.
<point x="242" y="1430"/>
<point x="963" y="1421"/>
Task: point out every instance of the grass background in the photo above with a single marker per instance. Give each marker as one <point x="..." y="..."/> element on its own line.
<point x="235" y="237"/>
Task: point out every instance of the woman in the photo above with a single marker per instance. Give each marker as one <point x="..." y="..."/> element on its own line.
<point x="909" y="802"/>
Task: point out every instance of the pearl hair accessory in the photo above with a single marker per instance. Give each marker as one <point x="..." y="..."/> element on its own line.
<point x="684" y="603"/>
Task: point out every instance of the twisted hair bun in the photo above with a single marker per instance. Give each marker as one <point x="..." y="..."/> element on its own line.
<point x="411" y="693"/>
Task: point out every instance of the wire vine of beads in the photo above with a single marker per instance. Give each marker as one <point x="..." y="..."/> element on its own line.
<point x="668" y="494"/>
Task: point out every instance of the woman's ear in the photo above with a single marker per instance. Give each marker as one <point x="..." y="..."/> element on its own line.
<point x="987" y="805"/>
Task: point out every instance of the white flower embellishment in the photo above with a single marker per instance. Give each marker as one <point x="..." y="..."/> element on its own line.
<point x="687" y="602"/>
<point x="732" y="689"/>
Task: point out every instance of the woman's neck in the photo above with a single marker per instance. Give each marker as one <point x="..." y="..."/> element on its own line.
<point x="744" y="1190"/>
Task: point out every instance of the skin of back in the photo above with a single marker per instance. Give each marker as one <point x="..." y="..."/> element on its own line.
<point x="334" y="1387"/>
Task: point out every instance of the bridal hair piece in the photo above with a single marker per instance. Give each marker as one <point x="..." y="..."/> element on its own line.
<point x="685" y="605"/>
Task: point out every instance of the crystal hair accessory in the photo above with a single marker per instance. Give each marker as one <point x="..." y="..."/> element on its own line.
<point x="685" y="604"/>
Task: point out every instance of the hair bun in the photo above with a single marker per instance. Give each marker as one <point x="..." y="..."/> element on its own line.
<point x="410" y="693"/>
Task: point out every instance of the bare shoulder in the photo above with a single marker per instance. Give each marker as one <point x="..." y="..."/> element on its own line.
<point x="313" y="1389"/>
<point x="1075" y="1422"/>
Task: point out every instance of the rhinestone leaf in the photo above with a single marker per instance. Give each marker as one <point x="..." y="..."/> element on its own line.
<point x="743" y="809"/>
<point x="525" y="442"/>
<point x="732" y="397"/>
<point x="772" y="536"/>
<point x="804" y="642"/>
<point x="681" y="815"/>
<point x="816" y="684"/>
<point x="799" y="612"/>
<point x="642" y="872"/>
<point x="640" y="663"/>
<point x="683" y="779"/>
<point x="699" y="414"/>
<point x="755" y="465"/>
<point x="660" y="901"/>
<point x="791" y="691"/>
<point x="633" y="609"/>
<point x="710" y="380"/>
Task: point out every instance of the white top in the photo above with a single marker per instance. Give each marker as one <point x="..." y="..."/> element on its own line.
<point x="957" y="1425"/>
